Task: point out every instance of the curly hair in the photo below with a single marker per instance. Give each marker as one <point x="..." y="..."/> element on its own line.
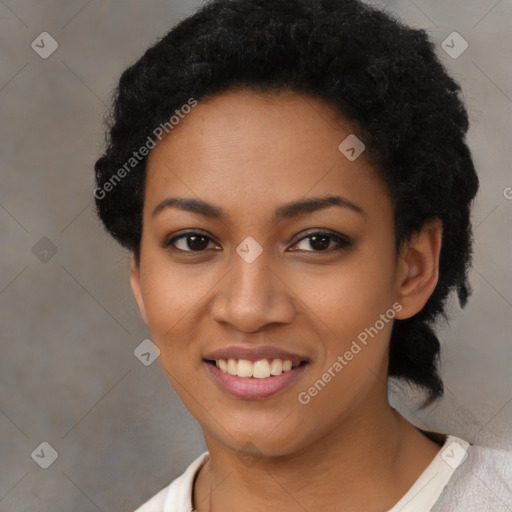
<point x="382" y="75"/>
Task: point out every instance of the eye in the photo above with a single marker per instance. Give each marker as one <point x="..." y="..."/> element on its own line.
<point x="320" y="241"/>
<point x="191" y="241"/>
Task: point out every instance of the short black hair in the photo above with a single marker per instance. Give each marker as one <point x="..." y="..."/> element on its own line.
<point x="381" y="75"/>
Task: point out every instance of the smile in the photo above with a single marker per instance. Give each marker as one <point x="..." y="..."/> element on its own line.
<point x="261" y="369"/>
<point x="247" y="385"/>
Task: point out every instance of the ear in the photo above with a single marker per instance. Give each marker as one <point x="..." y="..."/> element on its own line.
<point x="136" y="287"/>
<point x="419" y="268"/>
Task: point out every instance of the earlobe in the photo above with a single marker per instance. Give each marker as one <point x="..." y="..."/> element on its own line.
<point x="419" y="268"/>
<point x="136" y="287"/>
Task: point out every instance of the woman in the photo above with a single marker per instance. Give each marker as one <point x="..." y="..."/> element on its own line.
<point x="292" y="181"/>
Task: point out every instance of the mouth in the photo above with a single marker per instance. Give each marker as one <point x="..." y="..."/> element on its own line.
<point x="254" y="373"/>
<point x="260" y="369"/>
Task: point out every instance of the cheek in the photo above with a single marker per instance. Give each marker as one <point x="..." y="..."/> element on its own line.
<point x="350" y="296"/>
<point x="347" y="305"/>
<point x="353" y="359"/>
<point x="172" y="292"/>
<point x="174" y="298"/>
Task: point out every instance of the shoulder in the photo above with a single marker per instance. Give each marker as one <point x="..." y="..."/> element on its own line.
<point x="482" y="482"/>
<point x="177" y="496"/>
<point x="155" y="503"/>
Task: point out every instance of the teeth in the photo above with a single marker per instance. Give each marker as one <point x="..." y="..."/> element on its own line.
<point x="261" y="369"/>
<point x="276" y="368"/>
<point x="232" y="366"/>
<point x="244" y="368"/>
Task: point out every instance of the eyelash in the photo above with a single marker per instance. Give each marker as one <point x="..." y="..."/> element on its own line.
<point x="341" y="240"/>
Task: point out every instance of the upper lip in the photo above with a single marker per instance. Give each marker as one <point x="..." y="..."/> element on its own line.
<point x="254" y="354"/>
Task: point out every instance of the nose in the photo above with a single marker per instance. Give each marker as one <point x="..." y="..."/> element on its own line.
<point x="253" y="296"/>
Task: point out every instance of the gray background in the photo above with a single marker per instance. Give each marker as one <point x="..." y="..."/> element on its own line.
<point x="68" y="323"/>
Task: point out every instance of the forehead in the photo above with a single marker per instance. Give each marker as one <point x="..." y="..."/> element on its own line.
<point x="260" y="150"/>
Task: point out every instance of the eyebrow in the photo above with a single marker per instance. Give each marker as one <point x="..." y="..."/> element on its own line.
<point x="283" y="212"/>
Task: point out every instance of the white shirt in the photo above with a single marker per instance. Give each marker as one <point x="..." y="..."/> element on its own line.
<point x="461" y="478"/>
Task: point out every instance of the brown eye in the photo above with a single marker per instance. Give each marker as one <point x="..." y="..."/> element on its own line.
<point x="197" y="242"/>
<point x="321" y="242"/>
<point x="189" y="242"/>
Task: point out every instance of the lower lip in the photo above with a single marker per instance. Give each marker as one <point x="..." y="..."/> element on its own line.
<point x="250" y="388"/>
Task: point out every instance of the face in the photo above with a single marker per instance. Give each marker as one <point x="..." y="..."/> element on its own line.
<point x="251" y="277"/>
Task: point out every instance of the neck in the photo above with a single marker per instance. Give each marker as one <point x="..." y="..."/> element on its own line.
<point x="365" y="463"/>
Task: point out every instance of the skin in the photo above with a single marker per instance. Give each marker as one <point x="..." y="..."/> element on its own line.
<point x="250" y="153"/>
